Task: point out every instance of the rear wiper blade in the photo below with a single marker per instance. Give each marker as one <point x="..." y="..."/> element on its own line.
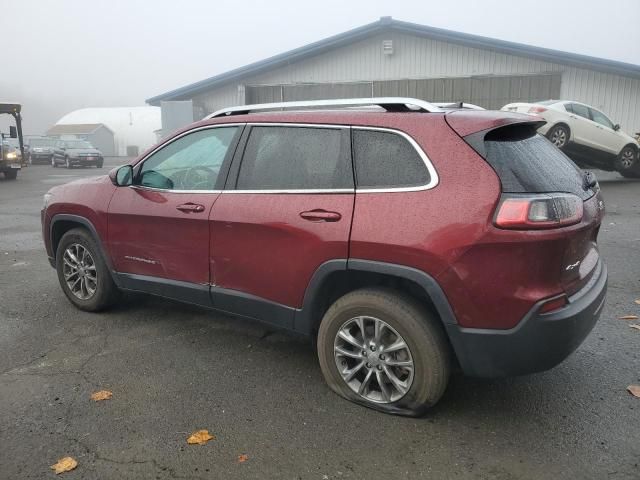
<point x="588" y="180"/>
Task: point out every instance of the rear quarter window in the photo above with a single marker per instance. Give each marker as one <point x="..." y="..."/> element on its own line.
<point x="387" y="160"/>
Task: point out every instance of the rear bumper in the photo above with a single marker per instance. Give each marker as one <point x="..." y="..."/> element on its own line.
<point x="539" y="342"/>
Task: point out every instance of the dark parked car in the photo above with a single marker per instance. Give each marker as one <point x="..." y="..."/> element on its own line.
<point x="71" y="153"/>
<point x="41" y="150"/>
<point x="403" y="240"/>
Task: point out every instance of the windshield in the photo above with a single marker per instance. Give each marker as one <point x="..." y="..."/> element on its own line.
<point x="42" y="142"/>
<point x="77" y="144"/>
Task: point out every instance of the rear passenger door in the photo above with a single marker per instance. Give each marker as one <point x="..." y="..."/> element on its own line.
<point x="583" y="129"/>
<point x="286" y="210"/>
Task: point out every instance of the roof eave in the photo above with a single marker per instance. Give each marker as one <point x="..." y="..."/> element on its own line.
<point x="384" y="24"/>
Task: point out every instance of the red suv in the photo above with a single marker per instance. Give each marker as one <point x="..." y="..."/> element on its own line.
<point x="403" y="238"/>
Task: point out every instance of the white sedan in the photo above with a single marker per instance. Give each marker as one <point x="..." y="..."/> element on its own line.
<point x="585" y="134"/>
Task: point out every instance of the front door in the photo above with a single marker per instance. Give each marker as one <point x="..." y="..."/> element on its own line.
<point x="287" y="211"/>
<point x="606" y="138"/>
<point x="158" y="227"/>
<point x="582" y="128"/>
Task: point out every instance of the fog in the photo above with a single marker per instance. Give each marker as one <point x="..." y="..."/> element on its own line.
<point x="68" y="54"/>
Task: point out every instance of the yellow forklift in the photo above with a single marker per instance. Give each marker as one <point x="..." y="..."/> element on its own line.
<point x="11" y="158"/>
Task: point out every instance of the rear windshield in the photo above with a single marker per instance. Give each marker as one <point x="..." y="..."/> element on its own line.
<point x="527" y="162"/>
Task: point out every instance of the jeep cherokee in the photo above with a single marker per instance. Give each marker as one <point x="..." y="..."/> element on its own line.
<point x="405" y="239"/>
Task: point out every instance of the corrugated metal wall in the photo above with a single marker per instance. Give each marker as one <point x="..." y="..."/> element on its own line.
<point x="417" y="58"/>
<point x="491" y="92"/>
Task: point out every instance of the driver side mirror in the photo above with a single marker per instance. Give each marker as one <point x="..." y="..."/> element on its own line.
<point x="616" y="127"/>
<point x="122" y="176"/>
<point x="13" y="132"/>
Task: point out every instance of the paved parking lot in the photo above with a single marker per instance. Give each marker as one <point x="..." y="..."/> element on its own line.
<point x="174" y="369"/>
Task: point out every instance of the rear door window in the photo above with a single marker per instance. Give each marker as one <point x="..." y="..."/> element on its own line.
<point x="527" y="162"/>
<point x="580" y="110"/>
<point x="296" y="158"/>
<point x="387" y="160"/>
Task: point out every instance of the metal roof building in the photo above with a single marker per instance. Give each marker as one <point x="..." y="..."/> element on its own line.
<point x="133" y="128"/>
<point x="395" y="58"/>
<point x="98" y="134"/>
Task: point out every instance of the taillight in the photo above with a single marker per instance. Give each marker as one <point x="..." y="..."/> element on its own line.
<point x="536" y="109"/>
<point x="552" y="210"/>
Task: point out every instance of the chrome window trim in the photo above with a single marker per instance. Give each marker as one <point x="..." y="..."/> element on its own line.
<point x="294" y="191"/>
<point x="153" y="189"/>
<point x="433" y="175"/>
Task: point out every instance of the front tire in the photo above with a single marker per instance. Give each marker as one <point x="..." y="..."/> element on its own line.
<point x="82" y="272"/>
<point x="384" y="350"/>
<point x="11" y="174"/>
<point x="627" y="162"/>
<point x="559" y="135"/>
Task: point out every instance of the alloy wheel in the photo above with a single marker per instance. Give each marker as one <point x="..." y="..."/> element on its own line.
<point x="627" y="159"/>
<point x="559" y="137"/>
<point x="79" y="270"/>
<point x="373" y="359"/>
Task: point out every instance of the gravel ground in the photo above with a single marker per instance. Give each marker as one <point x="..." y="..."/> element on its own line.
<point x="174" y="369"/>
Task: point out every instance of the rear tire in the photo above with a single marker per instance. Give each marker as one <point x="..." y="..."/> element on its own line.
<point x="559" y="135"/>
<point x="11" y="174"/>
<point x="405" y="320"/>
<point x="99" y="291"/>
<point x="628" y="163"/>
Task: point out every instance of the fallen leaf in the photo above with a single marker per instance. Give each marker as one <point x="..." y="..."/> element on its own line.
<point x="634" y="390"/>
<point x="243" y="458"/>
<point x="200" y="437"/>
<point x="629" y="317"/>
<point x="65" y="464"/>
<point x="101" y="395"/>
<point x="633" y="325"/>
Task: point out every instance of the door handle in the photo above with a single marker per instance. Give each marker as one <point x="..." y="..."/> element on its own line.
<point x="190" y="207"/>
<point x="573" y="116"/>
<point x="320" y="215"/>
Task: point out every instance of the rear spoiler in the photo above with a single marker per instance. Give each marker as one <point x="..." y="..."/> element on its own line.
<point x="511" y="131"/>
<point x="474" y="126"/>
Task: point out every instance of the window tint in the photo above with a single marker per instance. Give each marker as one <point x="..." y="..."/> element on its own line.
<point x="293" y="158"/>
<point x="387" y="160"/>
<point x="527" y="162"/>
<point x="580" y="110"/>
<point x="191" y="162"/>
<point x="601" y="118"/>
